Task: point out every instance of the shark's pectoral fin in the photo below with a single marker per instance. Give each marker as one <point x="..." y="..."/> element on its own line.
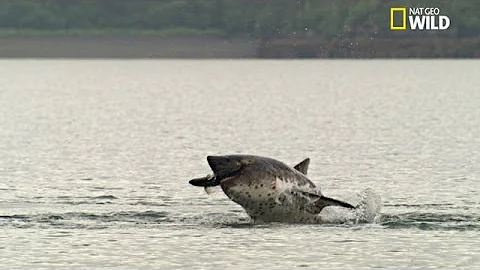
<point x="320" y="202"/>
<point x="303" y="166"/>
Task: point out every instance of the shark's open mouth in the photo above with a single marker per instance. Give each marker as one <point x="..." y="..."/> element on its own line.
<point x="224" y="169"/>
<point x="229" y="176"/>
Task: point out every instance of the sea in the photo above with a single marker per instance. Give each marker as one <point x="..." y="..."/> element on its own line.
<point x="96" y="155"/>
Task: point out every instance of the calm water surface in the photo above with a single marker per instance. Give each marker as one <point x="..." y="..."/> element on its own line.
<point x="95" y="157"/>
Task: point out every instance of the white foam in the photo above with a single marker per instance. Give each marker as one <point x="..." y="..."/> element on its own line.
<point x="369" y="207"/>
<point x="367" y="211"/>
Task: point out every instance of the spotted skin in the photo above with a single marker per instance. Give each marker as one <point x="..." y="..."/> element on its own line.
<point x="265" y="202"/>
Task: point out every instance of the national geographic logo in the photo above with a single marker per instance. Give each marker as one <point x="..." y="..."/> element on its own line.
<point x="418" y="19"/>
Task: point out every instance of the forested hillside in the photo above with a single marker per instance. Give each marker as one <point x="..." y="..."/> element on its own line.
<point x="281" y="28"/>
<point x="261" y="19"/>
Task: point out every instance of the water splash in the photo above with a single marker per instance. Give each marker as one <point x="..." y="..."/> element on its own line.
<point x="368" y="209"/>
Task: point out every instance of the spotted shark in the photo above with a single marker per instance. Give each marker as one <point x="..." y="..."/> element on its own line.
<point x="268" y="189"/>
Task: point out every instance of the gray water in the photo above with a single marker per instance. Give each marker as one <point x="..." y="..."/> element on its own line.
<point x="95" y="158"/>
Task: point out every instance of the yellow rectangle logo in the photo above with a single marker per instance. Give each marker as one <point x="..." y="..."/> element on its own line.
<point x="403" y="26"/>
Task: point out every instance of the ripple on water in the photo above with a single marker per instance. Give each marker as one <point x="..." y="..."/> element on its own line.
<point x="85" y="220"/>
<point x="82" y="220"/>
<point x="431" y="221"/>
<point x="79" y="200"/>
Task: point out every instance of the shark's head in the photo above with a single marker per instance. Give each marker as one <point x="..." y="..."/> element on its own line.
<point x="235" y="170"/>
<point x="244" y="177"/>
<point x="228" y="166"/>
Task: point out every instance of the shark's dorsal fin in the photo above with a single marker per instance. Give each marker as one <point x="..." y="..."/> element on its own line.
<point x="303" y="166"/>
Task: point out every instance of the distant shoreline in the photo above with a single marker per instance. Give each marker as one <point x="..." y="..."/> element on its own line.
<point x="124" y="46"/>
<point x="211" y="46"/>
